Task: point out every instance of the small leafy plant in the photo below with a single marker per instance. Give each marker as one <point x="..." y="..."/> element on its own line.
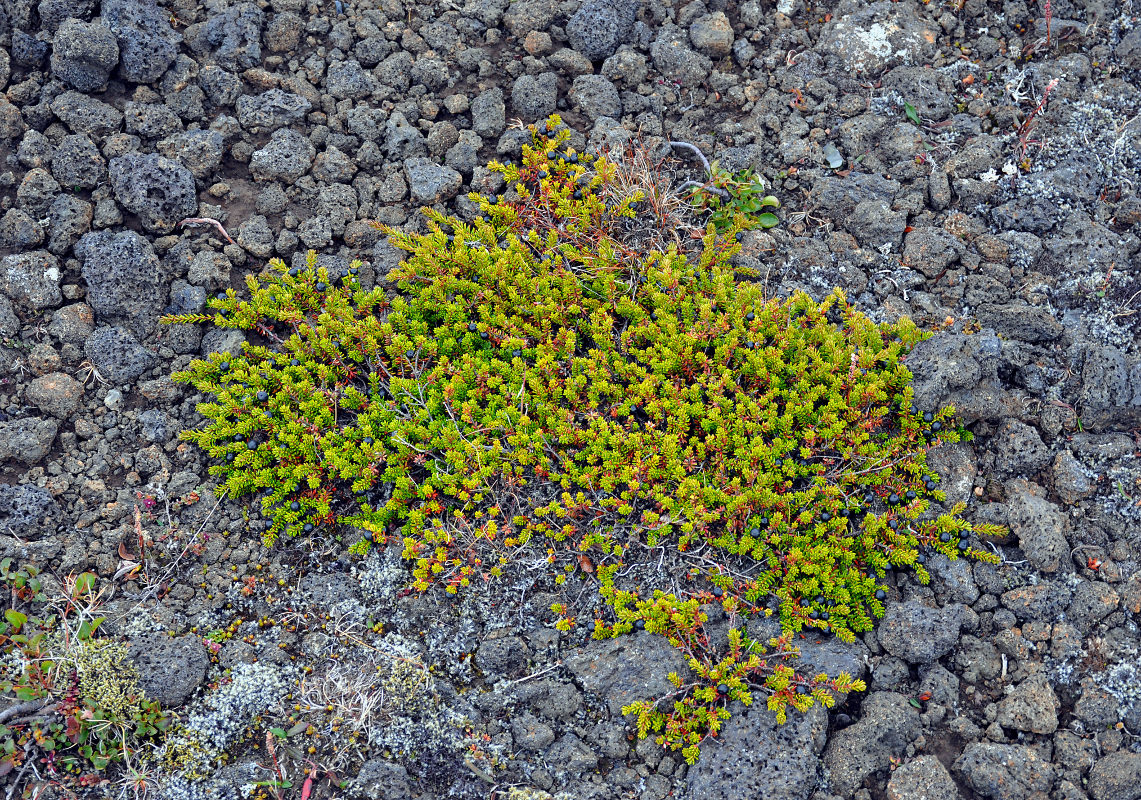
<point x="537" y="387"/>
<point x="71" y="698"/>
<point x="729" y="197"/>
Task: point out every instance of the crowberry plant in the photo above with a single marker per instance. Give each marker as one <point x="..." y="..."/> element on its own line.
<point x="538" y="383"/>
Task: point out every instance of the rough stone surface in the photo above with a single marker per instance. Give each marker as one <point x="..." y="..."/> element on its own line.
<point x="759" y="758"/>
<point x="1117" y="776"/>
<point x="83" y="54"/>
<point x="117" y="355"/>
<point x="286" y="157"/>
<point x="124" y="279"/>
<point x="887" y="725"/>
<point x="1001" y="771"/>
<point x="923" y="776"/>
<point x="918" y="633"/>
<point x="169" y="669"/>
<point x="56" y="393"/>
<point x="626" y="669"/>
<point x="598" y="27"/>
<point x="430" y="182"/>
<point x="27" y="440"/>
<point x="28" y="512"/>
<point x="160" y="192"/>
<point x="31" y="279"/>
<point x="147" y="43"/>
<point x="1031" y="707"/>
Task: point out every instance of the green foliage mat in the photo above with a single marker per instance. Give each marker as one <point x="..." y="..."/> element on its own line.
<point x="537" y="383"/>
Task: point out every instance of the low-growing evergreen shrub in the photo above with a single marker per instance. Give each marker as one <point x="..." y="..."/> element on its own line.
<point x="537" y="383"/>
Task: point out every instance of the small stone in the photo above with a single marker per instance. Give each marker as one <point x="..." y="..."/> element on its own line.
<point x="57" y="393"/>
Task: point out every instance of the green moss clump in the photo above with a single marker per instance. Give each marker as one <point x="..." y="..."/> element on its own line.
<point x="538" y="380"/>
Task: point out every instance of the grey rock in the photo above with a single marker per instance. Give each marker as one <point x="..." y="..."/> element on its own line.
<point x="402" y="140"/>
<point x="255" y="236"/>
<point x="1072" y="481"/>
<point x="960" y="370"/>
<point x="83" y="54"/>
<point x="1128" y="52"/>
<point x="209" y="269"/>
<point x="1040" y="527"/>
<point x="923" y="776"/>
<point x="28" y="51"/>
<point x="488" y="114"/>
<point x="348" y="80"/>
<point x="1031" y="707"/>
<point x="1116" y="776"/>
<point x="36" y="191"/>
<point x="840" y="196"/>
<point x="1018" y="321"/>
<point x="124" y="279"/>
<point x="27" y="511"/>
<point x="1093" y="601"/>
<point x="502" y="656"/>
<point x="117" y="355"/>
<point x="284" y="32"/>
<point x="382" y="780"/>
<point x="9" y="322"/>
<point x="876" y="225"/>
<point x="954" y="578"/>
<point x="1042" y="602"/>
<point x="626" y="669"/>
<point x="222" y="340"/>
<point x="1111" y="390"/>
<point x="156" y="426"/>
<point x="333" y="166"/>
<point x="928" y="91"/>
<point x="170" y="669"/>
<point x="1006" y="772"/>
<point x="571" y="756"/>
<point x="675" y="61"/>
<point x="147" y="43"/>
<point x="920" y="634"/>
<point x="977" y="660"/>
<point x="598" y="27"/>
<point x="712" y="34"/>
<point x="873" y="37"/>
<point x="27" y="439"/>
<point x="1095" y="707"/>
<point x="931" y="250"/>
<point x="72" y="323"/>
<point x="31" y="279"/>
<point x="160" y="192"/>
<point x="955" y="465"/>
<point x="596" y="96"/>
<point x="150" y="120"/>
<point x="232" y="38"/>
<point x="757" y="757"/>
<point x="54" y="13"/>
<point x="315" y="233"/>
<point x="200" y="151"/>
<point x="1019" y="449"/>
<point x="286" y="157"/>
<point x="531" y="733"/>
<point x="268" y="111"/>
<point x="77" y="163"/>
<point x="19" y="231"/>
<point x="56" y="393"/>
<point x="221" y="87"/>
<point x="429" y="182"/>
<point x="12" y="124"/>
<point x="431" y="73"/>
<point x="888" y="723"/>
<point x="524" y="16"/>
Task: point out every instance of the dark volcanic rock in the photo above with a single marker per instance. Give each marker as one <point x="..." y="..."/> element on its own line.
<point x="83" y="55"/>
<point x="169" y="669"/>
<point x="887" y="725"/>
<point x="600" y="26"/>
<point x="159" y="191"/>
<point x="628" y="668"/>
<point x="27" y="511"/>
<point x="757" y="757"/>
<point x="147" y="43"/>
<point x="124" y="279"/>
<point x="117" y="355"/>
